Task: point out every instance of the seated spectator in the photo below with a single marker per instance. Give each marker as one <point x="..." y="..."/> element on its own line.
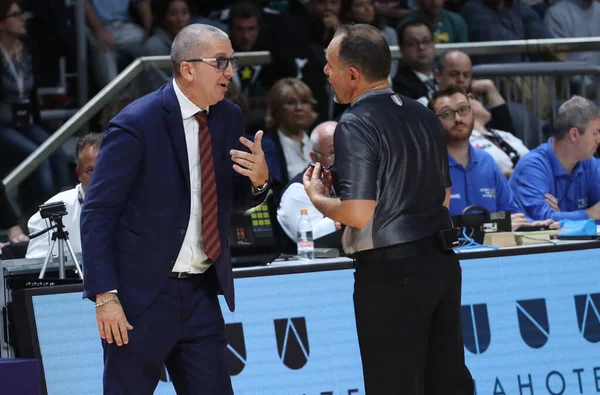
<point x="112" y="35"/>
<point x="294" y="197"/>
<point x="560" y="179"/>
<point x="476" y="178"/>
<point x="302" y="34"/>
<point x="505" y="148"/>
<point x="364" y="11"/>
<point x="414" y="78"/>
<point x="254" y="81"/>
<point x="394" y="10"/>
<point x="455" y="68"/>
<point x="448" y="27"/>
<point x="286" y="142"/>
<point x="87" y="151"/>
<point x="9" y="220"/>
<point x="170" y="17"/>
<point x="577" y="18"/>
<point x="20" y="133"/>
<point x="500" y="20"/>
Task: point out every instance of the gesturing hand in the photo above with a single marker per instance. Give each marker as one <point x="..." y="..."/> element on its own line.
<point x="251" y="164"/>
<point x="112" y="324"/>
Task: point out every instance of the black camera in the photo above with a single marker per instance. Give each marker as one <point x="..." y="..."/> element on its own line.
<point x="53" y="210"/>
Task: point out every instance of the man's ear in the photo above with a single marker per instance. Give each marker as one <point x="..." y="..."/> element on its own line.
<point x="354" y="74"/>
<point x="573" y="133"/>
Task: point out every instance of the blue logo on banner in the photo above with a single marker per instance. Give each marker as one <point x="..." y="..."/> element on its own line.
<point x="476" y="327"/>
<point x="588" y="316"/>
<point x="236" y="348"/>
<point x="533" y="322"/>
<point x="292" y="341"/>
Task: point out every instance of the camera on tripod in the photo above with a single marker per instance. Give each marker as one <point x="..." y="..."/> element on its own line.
<point x="53" y="210"/>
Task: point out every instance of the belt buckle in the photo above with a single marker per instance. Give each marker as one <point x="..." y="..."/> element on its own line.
<point x="182" y="275"/>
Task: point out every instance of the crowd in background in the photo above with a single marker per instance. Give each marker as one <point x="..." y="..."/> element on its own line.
<point x="287" y="97"/>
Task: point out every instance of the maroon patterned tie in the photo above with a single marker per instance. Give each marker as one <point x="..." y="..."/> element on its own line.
<point x="210" y="230"/>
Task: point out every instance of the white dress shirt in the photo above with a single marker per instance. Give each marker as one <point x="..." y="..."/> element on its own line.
<point x="478" y="140"/>
<point x="293" y="200"/>
<point x="297" y="155"/>
<point x="192" y="258"/>
<point x="38" y="247"/>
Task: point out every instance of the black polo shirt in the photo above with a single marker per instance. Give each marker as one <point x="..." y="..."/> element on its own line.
<point x="392" y="149"/>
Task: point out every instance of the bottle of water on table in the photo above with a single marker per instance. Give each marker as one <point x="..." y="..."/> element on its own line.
<point x="306" y="247"/>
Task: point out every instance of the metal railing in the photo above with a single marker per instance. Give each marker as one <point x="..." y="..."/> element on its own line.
<point x="112" y="90"/>
<point x="534" y="90"/>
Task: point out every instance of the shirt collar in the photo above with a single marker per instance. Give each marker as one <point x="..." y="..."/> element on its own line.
<point x="557" y="168"/>
<point x="373" y="93"/>
<point x="80" y="193"/>
<point x="188" y="109"/>
<point x="473" y="157"/>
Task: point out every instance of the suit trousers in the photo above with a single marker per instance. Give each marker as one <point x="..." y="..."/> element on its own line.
<point x="407" y="311"/>
<point x="183" y="329"/>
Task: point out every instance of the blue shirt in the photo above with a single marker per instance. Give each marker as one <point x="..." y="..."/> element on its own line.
<point x="539" y="172"/>
<point x="482" y="183"/>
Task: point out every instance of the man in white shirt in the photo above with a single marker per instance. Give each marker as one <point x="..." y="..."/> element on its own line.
<point x="86" y="153"/>
<point x="295" y="198"/>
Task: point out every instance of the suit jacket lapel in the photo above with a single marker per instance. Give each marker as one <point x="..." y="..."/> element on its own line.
<point x="176" y="132"/>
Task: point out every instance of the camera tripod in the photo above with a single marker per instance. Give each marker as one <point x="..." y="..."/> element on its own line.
<point x="61" y="237"/>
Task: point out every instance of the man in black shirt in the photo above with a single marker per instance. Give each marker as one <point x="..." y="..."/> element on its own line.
<point x="392" y="180"/>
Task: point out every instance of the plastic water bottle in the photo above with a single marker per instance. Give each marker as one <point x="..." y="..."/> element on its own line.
<point x="306" y="247"/>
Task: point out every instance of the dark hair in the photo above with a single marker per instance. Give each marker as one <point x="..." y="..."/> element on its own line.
<point x="576" y="112"/>
<point x="413" y="23"/>
<point x="444" y="56"/>
<point x="446" y="92"/>
<point x="363" y="46"/>
<point x="160" y="7"/>
<point x="5" y="7"/>
<point x="243" y="10"/>
<point x="89" y="140"/>
<point x="347" y="8"/>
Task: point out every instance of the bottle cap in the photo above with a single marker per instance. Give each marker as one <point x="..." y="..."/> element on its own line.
<point x="303" y="211"/>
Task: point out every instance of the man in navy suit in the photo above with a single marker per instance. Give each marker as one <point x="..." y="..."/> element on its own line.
<point x="155" y="224"/>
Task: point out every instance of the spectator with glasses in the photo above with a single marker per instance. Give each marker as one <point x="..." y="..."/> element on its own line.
<point x="20" y="133"/>
<point x="476" y="178"/>
<point x="287" y="145"/>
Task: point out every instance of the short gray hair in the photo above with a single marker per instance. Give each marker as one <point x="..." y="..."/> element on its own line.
<point x="190" y="41"/>
<point x="576" y="112"/>
<point x="89" y="140"/>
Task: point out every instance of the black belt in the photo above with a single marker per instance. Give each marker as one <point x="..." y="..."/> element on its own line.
<point x="398" y="251"/>
<point x="182" y="274"/>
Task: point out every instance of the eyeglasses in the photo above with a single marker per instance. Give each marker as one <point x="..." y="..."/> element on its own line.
<point x="330" y="157"/>
<point x="299" y="103"/>
<point x="450" y="114"/>
<point x="221" y="63"/>
<point x="16" y="14"/>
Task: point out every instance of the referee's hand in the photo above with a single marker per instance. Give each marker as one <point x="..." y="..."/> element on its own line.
<point x="317" y="182"/>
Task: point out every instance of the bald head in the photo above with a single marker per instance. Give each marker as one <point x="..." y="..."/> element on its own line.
<point x="455" y="68"/>
<point x="191" y="41"/>
<point x="322" y="143"/>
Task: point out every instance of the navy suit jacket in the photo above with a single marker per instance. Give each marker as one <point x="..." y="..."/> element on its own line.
<point x="137" y="206"/>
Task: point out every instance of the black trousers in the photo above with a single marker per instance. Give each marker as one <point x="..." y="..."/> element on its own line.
<point x="407" y="312"/>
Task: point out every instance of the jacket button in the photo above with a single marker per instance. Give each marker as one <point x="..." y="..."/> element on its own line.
<point x="182" y="231"/>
